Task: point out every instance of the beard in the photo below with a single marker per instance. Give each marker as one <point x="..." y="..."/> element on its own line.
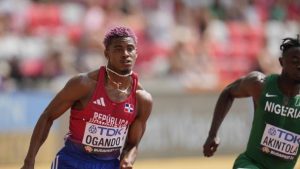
<point x="127" y="71"/>
<point x="122" y="73"/>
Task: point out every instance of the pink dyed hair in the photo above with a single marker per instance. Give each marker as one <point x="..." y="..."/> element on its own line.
<point x="116" y="32"/>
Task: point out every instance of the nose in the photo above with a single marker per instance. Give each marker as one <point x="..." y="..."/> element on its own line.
<point x="126" y="53"/>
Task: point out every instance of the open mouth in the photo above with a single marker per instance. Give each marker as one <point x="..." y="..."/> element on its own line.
<point x="126" y="62"/>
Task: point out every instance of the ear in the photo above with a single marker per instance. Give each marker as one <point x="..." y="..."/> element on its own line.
<point x="280" y="61"/>
<point x="106" y="54"/>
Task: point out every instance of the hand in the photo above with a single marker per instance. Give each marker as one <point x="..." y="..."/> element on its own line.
<point x="126" y="163"/>
<point x="210" y="146"/>
<point x="28" y="164"/>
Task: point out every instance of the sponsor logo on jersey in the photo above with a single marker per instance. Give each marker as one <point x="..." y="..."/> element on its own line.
<point x="270" y="95"/>
<point x="88" y="149"/>
<point x="99" y="102"/>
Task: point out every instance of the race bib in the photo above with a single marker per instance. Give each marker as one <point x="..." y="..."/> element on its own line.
<point x="99" y="139"/>
<point x="279" y="142"/>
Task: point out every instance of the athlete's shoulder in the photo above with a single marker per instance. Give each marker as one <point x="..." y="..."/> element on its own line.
<point x="83" y="81"/>
<point x="143" y="95"/>
<point x="255" y="77"/>
<point x="253" y="83"/>
<point x="145" y="102"/>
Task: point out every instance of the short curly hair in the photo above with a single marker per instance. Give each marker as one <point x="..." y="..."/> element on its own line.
<point x="116" y="32"/>
<point x="288" y="43"/>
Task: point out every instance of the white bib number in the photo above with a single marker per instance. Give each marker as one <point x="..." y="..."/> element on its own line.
<point x="279" y="142"/>
<point x="103" y="137"/>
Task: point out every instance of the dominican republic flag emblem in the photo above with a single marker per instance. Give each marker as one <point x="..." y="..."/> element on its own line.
<point x="128" y="108"/>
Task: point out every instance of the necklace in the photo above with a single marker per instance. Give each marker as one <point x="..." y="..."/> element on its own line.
<point x="125" y="91"/>
<point x="108" y="69"/>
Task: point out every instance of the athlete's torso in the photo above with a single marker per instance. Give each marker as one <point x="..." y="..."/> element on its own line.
<point x="275" y="134"/>
<point x="102" y="126"/>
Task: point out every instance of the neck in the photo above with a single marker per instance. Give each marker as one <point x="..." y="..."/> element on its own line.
<point x="116" y="73"/>
<point x="288" y="86"/>
<point x="122" y="84"/>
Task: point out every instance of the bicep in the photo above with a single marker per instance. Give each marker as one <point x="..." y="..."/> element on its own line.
<point x="58" y="106"/>
<point x="138" y="126"/>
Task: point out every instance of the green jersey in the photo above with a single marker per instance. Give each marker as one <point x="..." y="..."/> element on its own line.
<point x="275" y="134"/>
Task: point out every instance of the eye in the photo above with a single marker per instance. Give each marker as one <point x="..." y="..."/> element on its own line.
<point x="130" y="48"/>
<point x="118" y="49"/>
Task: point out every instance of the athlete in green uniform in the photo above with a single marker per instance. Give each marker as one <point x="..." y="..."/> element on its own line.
<point x="275" y="134"/>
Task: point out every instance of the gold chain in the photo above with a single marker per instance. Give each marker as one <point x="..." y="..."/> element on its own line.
<point x="118" y="84"/>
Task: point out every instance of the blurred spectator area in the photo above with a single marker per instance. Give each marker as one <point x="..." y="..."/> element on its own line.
<point x="184" y="44"/>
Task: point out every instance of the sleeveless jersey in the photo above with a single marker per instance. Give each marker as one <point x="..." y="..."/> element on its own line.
<point x="275" y="134"/>
<point x="101" y="127"/>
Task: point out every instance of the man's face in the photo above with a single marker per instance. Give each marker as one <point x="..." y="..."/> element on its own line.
<point x="291" y="63"/>
<point x="121" y="54"/>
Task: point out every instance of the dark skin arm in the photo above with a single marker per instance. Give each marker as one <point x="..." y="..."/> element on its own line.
<point x="76" y="89"/>
<point x="136" y="129"/>
<point x="247" y="86"/>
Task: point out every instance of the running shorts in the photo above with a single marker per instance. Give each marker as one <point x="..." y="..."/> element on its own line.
<point x="71" y="157"/>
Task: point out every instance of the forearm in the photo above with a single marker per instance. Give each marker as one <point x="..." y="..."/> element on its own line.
<point x="38" y="137"/>
<point x="131" y="148"/>
<point x="130" y="151"/>
<point x="223" y="105"/>
<point x="135" y="135"/>
<point x="136" y="130"/>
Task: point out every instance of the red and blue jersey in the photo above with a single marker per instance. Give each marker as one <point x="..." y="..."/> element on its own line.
<point x="102" y="126"/>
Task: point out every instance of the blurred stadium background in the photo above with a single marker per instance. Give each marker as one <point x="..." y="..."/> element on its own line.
<point x="188" y="51"/>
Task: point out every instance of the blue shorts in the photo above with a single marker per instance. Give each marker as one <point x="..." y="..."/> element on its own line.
<point x="71" y="157"/>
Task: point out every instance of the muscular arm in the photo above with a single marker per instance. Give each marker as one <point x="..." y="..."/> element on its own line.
<point x="136" y="129"/>
<point x="247" y="86"/>
<point x="75" y="89"/>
